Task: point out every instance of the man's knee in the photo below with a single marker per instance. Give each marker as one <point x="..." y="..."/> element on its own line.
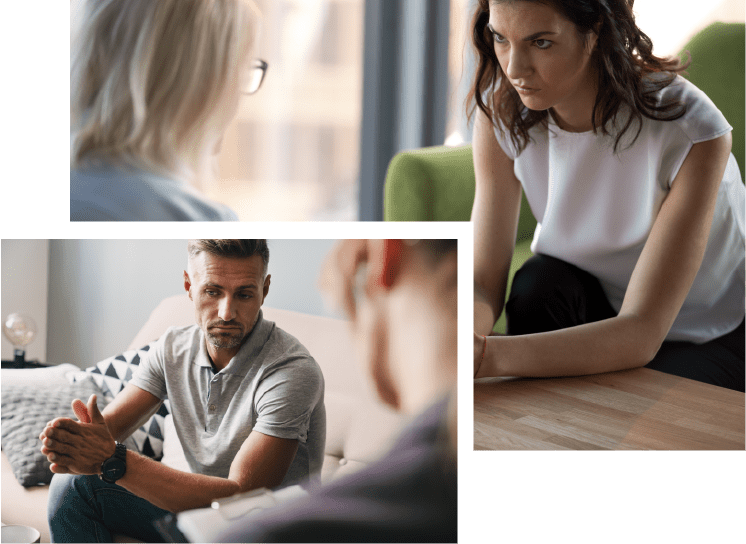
<point x="65" y="492"/>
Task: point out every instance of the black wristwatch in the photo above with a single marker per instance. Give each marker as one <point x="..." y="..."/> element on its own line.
<point x="114" y="467"/>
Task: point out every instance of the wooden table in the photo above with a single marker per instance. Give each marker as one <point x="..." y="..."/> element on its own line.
<point x="631" y="409"/>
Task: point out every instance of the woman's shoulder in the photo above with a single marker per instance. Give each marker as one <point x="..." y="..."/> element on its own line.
<point x="106" y="192"/>
<point x="504" y="139"/>
<point x="702" y="120"/>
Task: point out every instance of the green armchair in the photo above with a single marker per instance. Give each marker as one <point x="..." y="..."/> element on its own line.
<point x="718" y="69"/>
<point x="437" y="184"/>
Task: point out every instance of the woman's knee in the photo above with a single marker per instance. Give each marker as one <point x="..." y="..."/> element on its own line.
<point x="538" y="281"/>
<point x="532" y="281"/>
<point x="709" y="363"/>
<point x="549" y="294"/>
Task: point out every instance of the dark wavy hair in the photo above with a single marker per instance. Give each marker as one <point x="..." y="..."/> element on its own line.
<point x="623" y="57"/>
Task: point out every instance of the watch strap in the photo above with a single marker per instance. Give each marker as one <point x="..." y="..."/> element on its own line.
<point x="120" y="453"/>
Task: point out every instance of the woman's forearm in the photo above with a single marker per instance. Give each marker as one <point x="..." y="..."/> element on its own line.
<point x="484" y="317"/>
<point x="487" y="309"/>
<point x="613" y="344"/>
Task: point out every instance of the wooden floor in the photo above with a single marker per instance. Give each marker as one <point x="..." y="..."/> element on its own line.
<point x="631" y="409"/>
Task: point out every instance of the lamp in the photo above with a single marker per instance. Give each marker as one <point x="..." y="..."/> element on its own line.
<point x="20" y="330"/>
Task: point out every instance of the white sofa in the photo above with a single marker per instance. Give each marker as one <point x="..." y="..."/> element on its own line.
<point x="359" y="427"/>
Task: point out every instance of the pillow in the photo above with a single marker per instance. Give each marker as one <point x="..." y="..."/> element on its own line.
<point x="53" y="374"/>
<point x="111" y="375"/>
<point x="29" y="376"/>
<point x="26" y="409"/>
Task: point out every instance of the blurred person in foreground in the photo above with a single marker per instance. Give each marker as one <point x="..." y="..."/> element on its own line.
<point x="153" y="87"/>
<point x="400" y="296"/>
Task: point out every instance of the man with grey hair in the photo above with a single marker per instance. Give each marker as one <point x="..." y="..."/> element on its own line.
<point x="247" y="401"/>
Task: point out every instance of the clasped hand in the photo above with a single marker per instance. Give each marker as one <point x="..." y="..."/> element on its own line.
<point x="78" y="447"/>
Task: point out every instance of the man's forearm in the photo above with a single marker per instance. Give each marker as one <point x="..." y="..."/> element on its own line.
<point x="119" y="433"/>
<point x="172" y="489"/>
<point x="129" y="409"/>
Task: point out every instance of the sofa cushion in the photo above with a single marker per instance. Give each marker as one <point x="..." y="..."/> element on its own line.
<point x="111" y="375"/>
<point x="26" y="409"/>
<point x="173" y="452"/>
<point x="45" y="375"/>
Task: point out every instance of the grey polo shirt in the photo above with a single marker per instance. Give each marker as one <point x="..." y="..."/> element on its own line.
<point x="272" y="386"/>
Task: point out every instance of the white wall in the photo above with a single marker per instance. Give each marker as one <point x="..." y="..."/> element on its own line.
<point x="295" y="266"/>
<point x="102" y="291"/>
<point x="24" y="290"/>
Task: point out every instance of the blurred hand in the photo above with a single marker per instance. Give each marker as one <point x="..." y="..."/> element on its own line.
<point x="339" y="274"/>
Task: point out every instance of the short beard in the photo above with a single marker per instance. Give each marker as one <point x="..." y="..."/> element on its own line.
<point x="229" y="342"/>
<point x="221" y="342"/>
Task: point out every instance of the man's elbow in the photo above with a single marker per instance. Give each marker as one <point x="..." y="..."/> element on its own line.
<point x="235" y="486"/>
<point x="244" y="485"/>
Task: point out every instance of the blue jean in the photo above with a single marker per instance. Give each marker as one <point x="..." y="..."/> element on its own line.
<point x="87" y="509"/>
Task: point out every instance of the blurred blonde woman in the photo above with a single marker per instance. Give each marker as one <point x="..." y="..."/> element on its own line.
<point x="153" y="87"/>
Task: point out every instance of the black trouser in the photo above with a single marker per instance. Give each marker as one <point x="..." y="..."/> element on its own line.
<point x="550" y="294"/>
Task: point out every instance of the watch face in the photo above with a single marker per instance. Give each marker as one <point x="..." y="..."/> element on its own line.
<point x="113" y="469"/>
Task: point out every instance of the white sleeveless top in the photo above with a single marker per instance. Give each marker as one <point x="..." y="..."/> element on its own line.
<point x="595" y="209"/>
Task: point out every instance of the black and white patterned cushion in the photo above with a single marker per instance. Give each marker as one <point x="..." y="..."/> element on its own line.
<point x="111" y="375"/>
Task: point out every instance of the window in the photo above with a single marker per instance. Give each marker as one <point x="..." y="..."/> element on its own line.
<point x="292" y="153"/>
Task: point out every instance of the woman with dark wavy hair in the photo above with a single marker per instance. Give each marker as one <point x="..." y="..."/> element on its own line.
<point x="639" y="247"/>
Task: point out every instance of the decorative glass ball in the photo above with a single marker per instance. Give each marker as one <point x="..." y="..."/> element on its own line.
<point x="19" y="329"/>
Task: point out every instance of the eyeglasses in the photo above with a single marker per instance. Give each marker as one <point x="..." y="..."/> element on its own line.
<point x="256" y="76"/>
